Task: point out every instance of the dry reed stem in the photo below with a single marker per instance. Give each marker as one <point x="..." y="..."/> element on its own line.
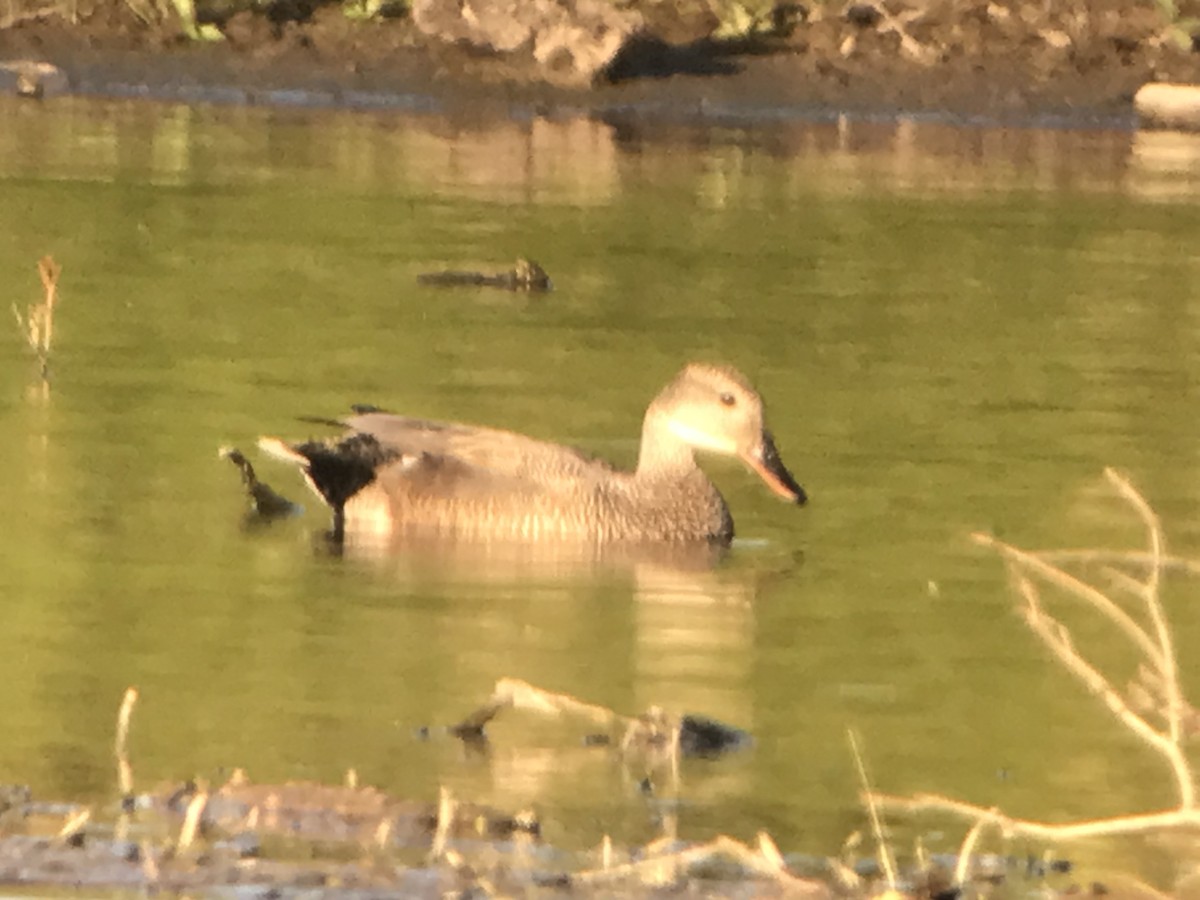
<point x="445" y="818"/>
<point x="846" y="877"/>
<point x="124" y="770"/>
<point x="191" y="821"/>
<point x="769" y="850"/>
<point x="383" y="834"/>
<point x="37" y="325"/>
<point x="74" y="824"/>
<point x="963" y="866"/>
<point x="150" y="869"/>
<point x="1156" y="644"/>
<point x="886" y="861"/>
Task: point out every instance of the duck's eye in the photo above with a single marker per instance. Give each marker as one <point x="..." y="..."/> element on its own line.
<point x="728" y="399"/>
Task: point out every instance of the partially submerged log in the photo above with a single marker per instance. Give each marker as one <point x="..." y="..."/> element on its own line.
<point x="653" y="730"/>
<point x="526" y="275"/>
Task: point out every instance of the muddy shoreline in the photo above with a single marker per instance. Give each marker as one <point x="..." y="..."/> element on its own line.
<point x="991" y="62"/>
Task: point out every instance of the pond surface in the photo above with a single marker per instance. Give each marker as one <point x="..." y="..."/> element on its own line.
<point x="955" y="329"/>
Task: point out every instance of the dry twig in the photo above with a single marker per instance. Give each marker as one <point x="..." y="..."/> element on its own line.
<point x="1156" y="690"/>
<point x="445" y="819"/>
<point x="191" y="821"/>
<point x="886" y="861"/>
<point x="74" y="824"/>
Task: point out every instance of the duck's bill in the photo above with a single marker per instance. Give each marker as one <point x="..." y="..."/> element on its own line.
<point x="770" y="468"/>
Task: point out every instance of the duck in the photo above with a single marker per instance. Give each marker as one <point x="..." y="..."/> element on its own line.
<point x="388" y="476"/>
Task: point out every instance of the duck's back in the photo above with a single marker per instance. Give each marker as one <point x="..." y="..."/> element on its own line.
<point x="470" y="481"/>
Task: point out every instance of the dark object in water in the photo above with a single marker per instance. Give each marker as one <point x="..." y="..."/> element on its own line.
<point x="698" y="736"/>
<point x="266" y="503"/>
<point x="653" y="730"/>
<point x="526" y="275"/>
<point x="702" y="736"/>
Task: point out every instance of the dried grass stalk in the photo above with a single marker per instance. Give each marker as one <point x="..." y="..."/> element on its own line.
<point x="37" y="325"/>
<point x="124" y="770"/>
<point x="445" y="819"/>
<point x="191" y="821"/>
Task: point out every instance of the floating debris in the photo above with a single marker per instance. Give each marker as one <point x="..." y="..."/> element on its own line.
<point x="653" y="731"/>
<point x="526" y="275"/>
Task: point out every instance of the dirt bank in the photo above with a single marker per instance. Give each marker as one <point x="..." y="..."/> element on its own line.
<point x="1007" y="59"/>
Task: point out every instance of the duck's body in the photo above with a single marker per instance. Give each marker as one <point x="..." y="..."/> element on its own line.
<point x="393" y="475"/>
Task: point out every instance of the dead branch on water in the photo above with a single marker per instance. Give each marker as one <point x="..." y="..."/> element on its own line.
<point x="1153" y="707"/>
<point x="653" y="731"/>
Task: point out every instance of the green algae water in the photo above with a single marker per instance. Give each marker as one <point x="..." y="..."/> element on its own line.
<point x="955" y="330"/>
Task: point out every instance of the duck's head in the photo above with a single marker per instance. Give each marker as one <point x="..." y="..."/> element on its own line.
<point x="715" y="408"/>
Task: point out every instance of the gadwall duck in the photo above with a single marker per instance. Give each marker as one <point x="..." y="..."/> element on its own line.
<point x="391" y="475"/>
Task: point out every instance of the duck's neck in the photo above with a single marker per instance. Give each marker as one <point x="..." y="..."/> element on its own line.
<point x="663" y="454"/>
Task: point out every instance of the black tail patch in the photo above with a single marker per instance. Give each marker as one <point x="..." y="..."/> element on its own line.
<point x="340" y="469"/>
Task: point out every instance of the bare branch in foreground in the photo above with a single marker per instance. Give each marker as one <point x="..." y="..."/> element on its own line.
<point x="1135" y="578"/>
<point x="670" y="868"/>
